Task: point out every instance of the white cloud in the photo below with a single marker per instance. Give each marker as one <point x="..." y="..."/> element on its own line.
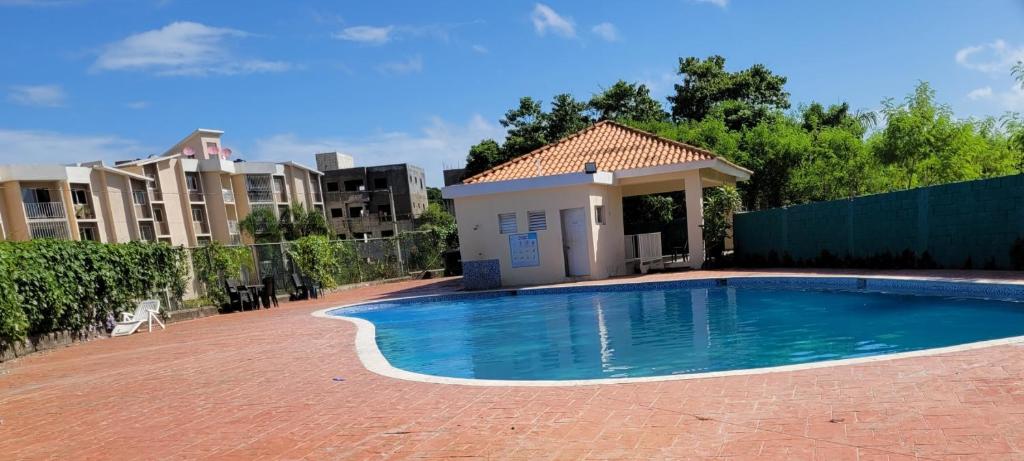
<point x="980" y="93"/>
<point x="718" y="3"/>
<point x="480" y="49"/>
<point x="37" y="95"/>
<point x="183" y="48"/>
<point x="606" y="31"/>
<point x="27" y="146"/>
<point x="407" y="66"/>
<point x="993" y="58"/>
<point x="1012" y="99"/>
<point x="438" y="144"/>
<point x="544" y="19"/>
<point x="137" y="105"/>
<point x="366" y="34"/>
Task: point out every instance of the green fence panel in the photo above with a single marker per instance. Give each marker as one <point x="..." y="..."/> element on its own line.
<point x="968" y="224"/>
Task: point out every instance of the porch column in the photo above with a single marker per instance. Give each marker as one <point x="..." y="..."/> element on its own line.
<point x="694" y="217"/>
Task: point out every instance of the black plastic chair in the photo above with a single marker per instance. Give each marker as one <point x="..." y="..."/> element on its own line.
<point x="301" y="289"/>
<point x="269" y="292"/>
<point x="234" y="296"/>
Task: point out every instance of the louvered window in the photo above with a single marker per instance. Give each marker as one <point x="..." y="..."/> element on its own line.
<point x="537" y="220"/>
<point x="507" y="223"/>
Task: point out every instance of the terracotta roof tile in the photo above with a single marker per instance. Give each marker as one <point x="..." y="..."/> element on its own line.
<point x="611" y="145"/>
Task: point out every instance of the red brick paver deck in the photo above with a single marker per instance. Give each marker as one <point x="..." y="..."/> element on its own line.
<point x="263" y="385"/>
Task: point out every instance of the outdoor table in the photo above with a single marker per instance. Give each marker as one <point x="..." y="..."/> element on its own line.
<point x="254" y="291"/>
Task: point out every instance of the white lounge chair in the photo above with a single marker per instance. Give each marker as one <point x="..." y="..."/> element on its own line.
<point x="146" y="311"/>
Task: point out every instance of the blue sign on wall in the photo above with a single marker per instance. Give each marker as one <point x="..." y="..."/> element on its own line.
<point x="525" y="251"/>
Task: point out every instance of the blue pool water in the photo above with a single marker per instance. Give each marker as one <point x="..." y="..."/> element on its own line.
<point x="662" y="332"/>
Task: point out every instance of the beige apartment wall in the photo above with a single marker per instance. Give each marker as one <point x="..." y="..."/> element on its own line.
<point x="98" y="204"/>
<point x="15" y="220"/>
<point x="171" y="184"/>
<point x="216" y="209"/>
<point x="480" y="239"/>
<point x="69" y="210"/>
<point x="122" y="227"/>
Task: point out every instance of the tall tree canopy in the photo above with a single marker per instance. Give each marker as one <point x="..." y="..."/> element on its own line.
<point x="626" y="101"/>
<point x="742" y="98"/>
<point x="817" y="152"/>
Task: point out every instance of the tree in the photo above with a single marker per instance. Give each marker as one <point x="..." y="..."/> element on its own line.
<point x="262" y="225"/>
<point x="299" y="222"/>
<point x="719" y="205"/>
<point x="626" y="101"/>
<point x="567" y="117"/>
<point x="435" y="216"/>
<point x="1018" y="71"/>
<point x="526" y="126"/>
<point x="483" y="156"/>
<point x="434" y="195"/>
<point x="741" y="98"/>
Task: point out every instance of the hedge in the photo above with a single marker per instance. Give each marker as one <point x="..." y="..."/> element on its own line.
<point x="54" y="285"/>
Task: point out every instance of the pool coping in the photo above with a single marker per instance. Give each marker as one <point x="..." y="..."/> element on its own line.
<point x="373" y="359"/>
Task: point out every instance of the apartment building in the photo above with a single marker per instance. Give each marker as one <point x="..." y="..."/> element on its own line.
<point x="190" y="195"/>
<point x="80" y="202"/>
<point x="375" y="201"/>
<point x="213" y="192"/>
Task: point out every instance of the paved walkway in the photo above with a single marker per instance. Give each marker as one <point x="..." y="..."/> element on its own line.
<point x="281" y="384"/>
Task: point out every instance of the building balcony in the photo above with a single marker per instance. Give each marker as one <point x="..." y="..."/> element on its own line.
<point x="162" y="228"/>
<point x="44" y="210"/>
<point x="258" y="195"/>
<point x="200" y="227"/>
<point x="229" y="195"/>
<point x="233" y="227"/>
<point x="50" y="230"/>
<point x="84" y="211"/>
<point x="280" y="196"/>
<point x="195" y="195"/>
<point x="318" y="197"/>
<point x="156" y="195"/>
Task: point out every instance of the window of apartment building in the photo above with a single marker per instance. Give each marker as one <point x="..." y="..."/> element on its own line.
<point x="191" y="181"/>
<point x="337" y="213"/>
<point x="35" y="195"/>
<point x="79" y="196"/>
<point x="507" y="223"/>
<point x="362" y="235"/>
<point x="384" y="211"/>
<point x="387" y="233"/>
<point x="88" y="233"/>
<point x="380" y="183"/>
<point x="197" y="214"/>
<point x="332" y="186"/>
<point x="599" y="214"/>
<point x="536" y="220"/>
<point x="158" y="214"/>
<point x="353" y="185"/>
<point x="355" y="211"/>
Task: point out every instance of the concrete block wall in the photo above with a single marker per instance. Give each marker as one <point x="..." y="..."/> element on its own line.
<point x="979" y="220"/>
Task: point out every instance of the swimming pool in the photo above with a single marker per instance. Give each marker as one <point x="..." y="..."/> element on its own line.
<point x="681" y="328"/>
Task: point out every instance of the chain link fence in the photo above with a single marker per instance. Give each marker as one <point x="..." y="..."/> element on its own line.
<point x="409" y="254"/>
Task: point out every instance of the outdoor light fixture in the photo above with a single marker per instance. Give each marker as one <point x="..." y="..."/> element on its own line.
<point x="590" y="167"/>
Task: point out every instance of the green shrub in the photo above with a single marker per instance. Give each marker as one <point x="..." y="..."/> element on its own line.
<point x="68" y="285"/>
<point x="315" y="257"/>
<point x="215" y="262"/>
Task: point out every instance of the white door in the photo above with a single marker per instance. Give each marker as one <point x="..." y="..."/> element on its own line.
<point x="574" y="241"/>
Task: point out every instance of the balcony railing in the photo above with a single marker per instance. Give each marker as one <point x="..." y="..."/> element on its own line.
<point x="280" y="196"/>
<point x="318" y="197"/>
<point x="156" y="195"/>
<point x="200" y="227"/>
<point x="162" y="228"/>
<point x="260" y="195"/>
<point x="229" y="195"/>
<point x="49" y="230"/>
<point x="44" y="210"/>
<point x="195" y="195"/>
<point x="233" y="227"/>
<point x="84" y="211"/>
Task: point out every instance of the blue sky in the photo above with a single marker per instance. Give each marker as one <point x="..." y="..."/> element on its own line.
<point x="421" y="81"/>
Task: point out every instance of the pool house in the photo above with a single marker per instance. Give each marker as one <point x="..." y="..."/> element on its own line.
<point x="556" y="214"/>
